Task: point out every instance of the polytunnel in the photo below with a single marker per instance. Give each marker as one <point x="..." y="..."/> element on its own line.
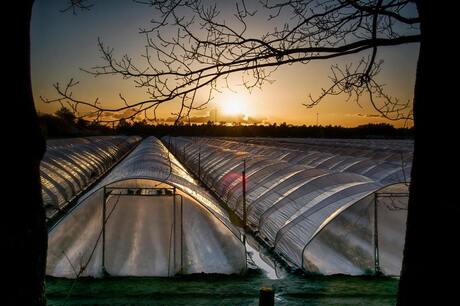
<point x="147" y="217"/>
<point x="70" y="165"/>
<point x="315" y="210"/>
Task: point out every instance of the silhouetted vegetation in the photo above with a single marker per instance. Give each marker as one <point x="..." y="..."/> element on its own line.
<point x="273" y="130"/>
<point x="64" y="125"/>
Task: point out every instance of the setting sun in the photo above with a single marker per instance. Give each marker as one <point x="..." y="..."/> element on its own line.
<point x="234" y="105"/>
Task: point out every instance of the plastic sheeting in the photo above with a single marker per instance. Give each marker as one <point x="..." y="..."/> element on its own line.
<point x="350" y="241"/>
<point x="148" y="231"/>
<point x="71" y="164"/>
<point x="297" y="193"/>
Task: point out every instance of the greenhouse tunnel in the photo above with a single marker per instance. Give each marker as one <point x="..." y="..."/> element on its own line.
<point x="147" y="217"/>
<point x="312" y="202"/>
<point x="71" y="165"/>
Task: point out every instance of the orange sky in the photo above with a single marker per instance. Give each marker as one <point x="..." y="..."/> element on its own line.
<point x="62" y="43"/>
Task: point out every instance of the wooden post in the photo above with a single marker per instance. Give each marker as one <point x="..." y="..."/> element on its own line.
<point x="266" y="296"/>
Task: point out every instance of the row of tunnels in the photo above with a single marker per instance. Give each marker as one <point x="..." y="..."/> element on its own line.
<point x="126" y="206"/>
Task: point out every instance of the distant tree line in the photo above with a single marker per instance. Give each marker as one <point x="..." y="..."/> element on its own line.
<point x="64" y="124"/>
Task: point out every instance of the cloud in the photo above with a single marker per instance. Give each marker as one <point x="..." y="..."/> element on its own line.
<point x="369" y="115"/>
<point x="193" y="119"/>
<point x="222" y="118"/>
<point x="116" y="115"/>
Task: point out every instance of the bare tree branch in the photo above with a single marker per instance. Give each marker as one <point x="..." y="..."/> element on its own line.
<point x="191" y="47"/>
<point x="75" y="5"/>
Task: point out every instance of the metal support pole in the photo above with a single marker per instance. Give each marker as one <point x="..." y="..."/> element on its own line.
<point x="376" y="238"/>
<point x="181" y="235"/>
<point x="104" y="271"/>
<point x="199" y="162"/>
<point x="174" y="226"/>
<point x="244" y="199"/>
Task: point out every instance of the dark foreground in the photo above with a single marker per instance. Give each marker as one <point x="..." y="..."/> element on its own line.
<point x="222" y="290"/>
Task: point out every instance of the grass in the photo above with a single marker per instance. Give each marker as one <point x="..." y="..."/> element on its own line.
<point x="222" y="290"/>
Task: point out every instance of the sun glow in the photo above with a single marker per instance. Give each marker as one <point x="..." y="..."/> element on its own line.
<point x="234" y="105"/>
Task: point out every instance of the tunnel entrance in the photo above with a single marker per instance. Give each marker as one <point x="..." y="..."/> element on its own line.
<point x="142" y="231"/>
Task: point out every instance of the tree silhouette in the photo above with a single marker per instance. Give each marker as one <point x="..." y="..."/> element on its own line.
<point x="65" y="114"/>
<point x="24" y="218"/>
